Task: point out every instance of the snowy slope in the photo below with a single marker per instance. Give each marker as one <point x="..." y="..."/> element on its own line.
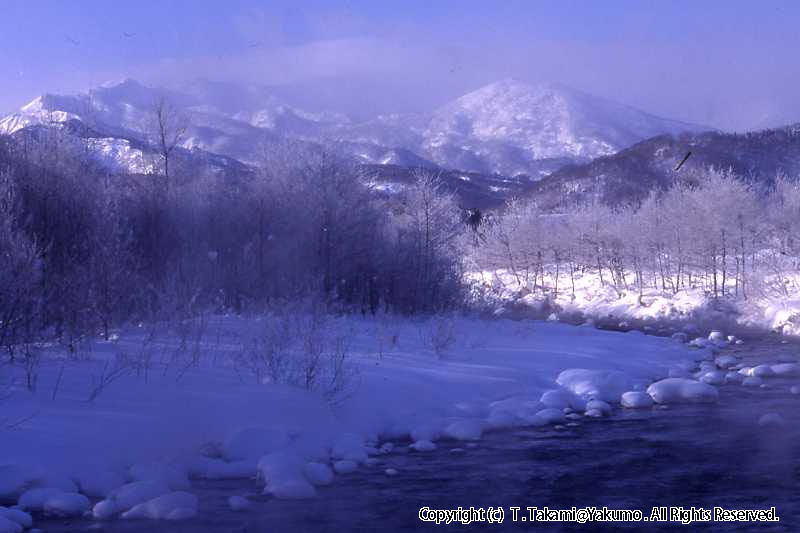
<point x="506" y="126"/>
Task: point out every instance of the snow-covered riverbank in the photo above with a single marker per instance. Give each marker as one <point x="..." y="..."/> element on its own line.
<point x="189" y="407"/>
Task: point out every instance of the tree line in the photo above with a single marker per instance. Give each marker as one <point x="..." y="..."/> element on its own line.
<point x="729" y="236"/>
<point x="84" y="249"/>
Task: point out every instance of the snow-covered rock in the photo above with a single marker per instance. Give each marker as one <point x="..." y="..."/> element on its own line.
<point x="423" y="446"/>
<point x="561" y="398"/>
<point x="318" y="473"/>
<point x="346" y="466"/>
<point x="238" y="503"/>
<point x="66" y="504"/>
<point x="752" y="381"/>
<point x="177" y="505"/>
<point x="713" y="377"/>
<point x="681" y="390"/>
<point x="283" y="476"/>
<point x="636" y="400"/>
<point x="725" y="361"/>
<point x="253" y="442"/>
<point x="598" y="405"/>
<point x="464" y="430"/>
<point x="606" y="385"/>
<point x="786" y="369"/>
<point x="23" y="519"/>
<point x="125" y="497"/>
<point x="771" y="420"/>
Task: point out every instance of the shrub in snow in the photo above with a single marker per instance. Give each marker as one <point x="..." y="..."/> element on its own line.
<point x="15" y="515"/>
<point x="172" y="506"/>
<point x="65" y="504"/>
<point x="423" y="446"/>
<point x="318" y="473"/>
<point x="680" y="390"/>
<point x="238" y="503"/>
<point x="464" y="430"/>
<point x="636" y="400"/>
<point x="771" y="420"/>
<point x="606" y="385"/>
<point x="253" y="442"/>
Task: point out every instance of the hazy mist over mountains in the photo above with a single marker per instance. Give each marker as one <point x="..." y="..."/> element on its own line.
<point x="507" y="127"/>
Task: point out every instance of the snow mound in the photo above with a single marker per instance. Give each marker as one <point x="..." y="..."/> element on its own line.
<point x="551" y="415"/>
<point x="283" y="477"/>
<point x="345" y="466"/>
<point x="606" y="385"/>
<point x="253" y="442"/>
<point x="173" y="506"/>
<point x="175" y="478"/>
<point x="318" y="473"/>
<point x="771" y="420"/>
<point x="125" y="497"/>
<point x="423" y="446"/>
<point x="725" y="361"/>
<point x="598" y="405"/>
<point x="786" y="369"/>
<point x="99" y="483"/>
<point x="464" y="430"/>
<point x="636" y="400"/>
<point x="349" y="446"/>
<point x="713" y="377"/>
<point x="680" y="390"/>
<point x="752" y="381"/>
<point x="561" y="398"/>
<point x="9" y="526"/>
<point x="238" y="503"/>
<point x="212" y="468"/>
<point x="15" y="479"/>
<point x="21" y="518"/>
<point x="66" y="504"/>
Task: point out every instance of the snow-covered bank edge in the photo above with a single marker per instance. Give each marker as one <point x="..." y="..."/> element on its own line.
<point x="147" y="439"/>
<point x="659" y="312"/>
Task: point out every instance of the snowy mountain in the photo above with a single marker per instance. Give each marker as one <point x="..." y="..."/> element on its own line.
<point x="507" y="128"/>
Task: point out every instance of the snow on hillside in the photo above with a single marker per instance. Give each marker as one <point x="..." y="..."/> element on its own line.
<point x="507" y="127"/>
<point x="136" y="418"/>
<point x="533" y="122"/>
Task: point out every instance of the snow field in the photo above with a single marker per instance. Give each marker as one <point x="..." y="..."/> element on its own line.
<point x="133" y="451"/>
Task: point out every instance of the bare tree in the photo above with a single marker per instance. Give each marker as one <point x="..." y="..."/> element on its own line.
<point x="169" y="126"/>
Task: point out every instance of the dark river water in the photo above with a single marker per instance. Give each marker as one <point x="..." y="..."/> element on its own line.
<point x="687" y="456"/>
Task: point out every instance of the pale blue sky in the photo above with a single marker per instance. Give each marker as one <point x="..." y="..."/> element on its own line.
<point x="729" y="64"/>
